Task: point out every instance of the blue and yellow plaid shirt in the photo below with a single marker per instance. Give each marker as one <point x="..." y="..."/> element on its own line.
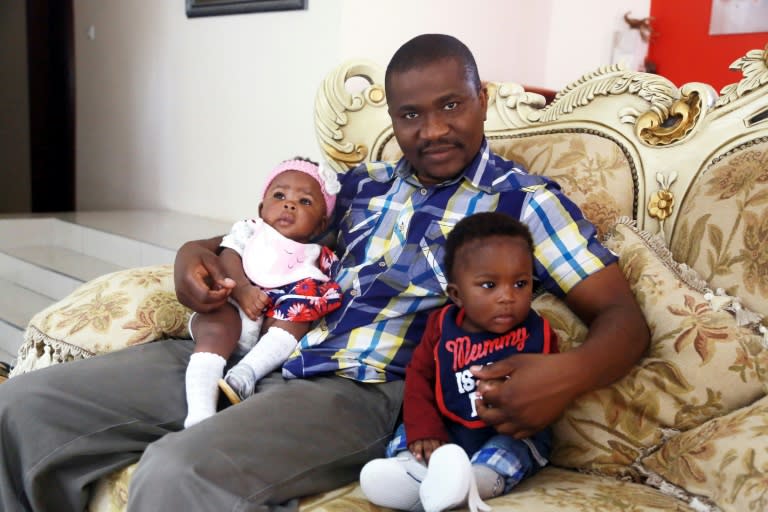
<point x="390" y="243"/>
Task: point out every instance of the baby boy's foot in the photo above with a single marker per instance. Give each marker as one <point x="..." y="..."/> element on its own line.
<point x="450" y="482"/>
<point x="239" y="383"/>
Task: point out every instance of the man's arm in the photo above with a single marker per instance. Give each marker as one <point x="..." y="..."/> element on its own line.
<point x="539" y="387"/>
<point x="201" y="283"/>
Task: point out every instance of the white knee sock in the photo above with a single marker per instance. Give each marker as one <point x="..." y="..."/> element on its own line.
<point x="270" y="352"/>
<point x="203" y="373"/>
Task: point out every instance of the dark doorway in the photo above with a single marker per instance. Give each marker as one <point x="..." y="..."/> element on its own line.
<point x="51" y="62"/>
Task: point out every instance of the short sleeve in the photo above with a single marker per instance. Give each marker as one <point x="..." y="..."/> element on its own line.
<point x="566" y="246"/>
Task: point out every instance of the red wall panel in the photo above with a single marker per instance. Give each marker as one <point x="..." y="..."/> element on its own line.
<point x="683" y="50"/>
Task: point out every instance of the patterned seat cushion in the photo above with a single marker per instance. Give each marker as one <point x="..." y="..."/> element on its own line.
<point x="551" y="490"/>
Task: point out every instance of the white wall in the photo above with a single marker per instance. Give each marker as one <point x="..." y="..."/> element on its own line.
<point x="190" y="114"/>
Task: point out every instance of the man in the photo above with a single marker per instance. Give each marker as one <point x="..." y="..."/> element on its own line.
<point x="64" y="427"/>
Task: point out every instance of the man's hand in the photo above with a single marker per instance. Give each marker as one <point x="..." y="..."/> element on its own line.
<point x="520" y="395"/>
<point x="422" y="450"/>
<point x="251" y="299"/>
<point x="200" y="282"/>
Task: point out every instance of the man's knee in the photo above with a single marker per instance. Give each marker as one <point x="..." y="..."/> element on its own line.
<point x="25" y="395"/>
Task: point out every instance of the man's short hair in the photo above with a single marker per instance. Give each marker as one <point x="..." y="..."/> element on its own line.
<point x="478" y="227"/>
<point x="429" y="48"/>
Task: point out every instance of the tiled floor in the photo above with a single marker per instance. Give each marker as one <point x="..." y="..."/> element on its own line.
<point x="44" y="257"/>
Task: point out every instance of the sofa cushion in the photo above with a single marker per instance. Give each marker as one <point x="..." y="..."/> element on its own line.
<point x="701" y="364"/>
<point x="724" y="224"/>
<point x="721" y="459"/>
<point x="111" y="312"/>
<point x="551" y="490"/>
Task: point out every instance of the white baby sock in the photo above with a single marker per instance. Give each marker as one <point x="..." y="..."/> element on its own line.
<point x="203" y="373"/>
<point x="394" y="482"/>
<point x="450" y="482"/>
<point x="270" y="352"/>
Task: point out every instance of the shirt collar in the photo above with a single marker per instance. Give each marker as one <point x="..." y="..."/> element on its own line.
<point x="477" y="172"/>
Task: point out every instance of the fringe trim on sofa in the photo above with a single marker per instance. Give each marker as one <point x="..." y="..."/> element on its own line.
<point x="40" y="350"/>
<point x="651" y="478"/>
<point x="718" y="299"/>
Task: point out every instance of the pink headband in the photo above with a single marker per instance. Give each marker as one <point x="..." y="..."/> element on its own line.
<point x="326" y="177"/>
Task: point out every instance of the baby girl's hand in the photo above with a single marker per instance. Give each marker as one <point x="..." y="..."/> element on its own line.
<point x="252" y="300"/>
<point x="422" y="450"/>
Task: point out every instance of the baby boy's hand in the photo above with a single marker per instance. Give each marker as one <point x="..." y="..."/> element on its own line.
<point x="422" y="450"/>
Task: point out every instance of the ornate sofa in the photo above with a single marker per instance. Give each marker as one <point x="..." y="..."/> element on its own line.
<point x="676" y="179"/>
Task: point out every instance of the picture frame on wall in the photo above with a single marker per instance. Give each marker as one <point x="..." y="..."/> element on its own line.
<point x="738" y="17"/>
<point x="197" y="8"/>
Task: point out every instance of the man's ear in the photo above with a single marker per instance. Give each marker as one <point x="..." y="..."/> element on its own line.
<point x="483" y="95"/>
<point x="453" y="292"/>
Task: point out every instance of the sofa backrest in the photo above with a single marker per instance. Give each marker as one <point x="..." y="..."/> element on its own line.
<point x="685" y="163"/>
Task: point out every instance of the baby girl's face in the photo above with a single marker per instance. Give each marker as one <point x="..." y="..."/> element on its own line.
<point x="294" y="206"/>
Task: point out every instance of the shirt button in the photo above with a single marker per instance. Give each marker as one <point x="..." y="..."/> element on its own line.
<point x="382" y="264"/>
<point x="353" y="293"/>
<point x="423" y="191"/>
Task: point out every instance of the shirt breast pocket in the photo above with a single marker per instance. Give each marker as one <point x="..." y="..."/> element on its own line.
<point x="357" y="226"/>
<point x="426" y="271"/>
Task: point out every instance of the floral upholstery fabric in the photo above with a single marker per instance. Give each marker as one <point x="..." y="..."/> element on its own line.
<point x="551" y="490"/>
<point x="723" y="459"/>
<point x="724" y="225"/>
<point x="111" y="312"/>
<point x="591" y="169"/>
<point x="672" y="387"/>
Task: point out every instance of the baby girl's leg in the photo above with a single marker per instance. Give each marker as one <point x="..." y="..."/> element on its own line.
<point x="271" y="351"/>
<point x="215" y="336"/>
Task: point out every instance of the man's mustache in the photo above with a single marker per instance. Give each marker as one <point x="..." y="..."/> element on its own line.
<point x="438" y="143"/>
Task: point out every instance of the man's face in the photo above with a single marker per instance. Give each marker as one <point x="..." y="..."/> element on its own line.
<point x="437" y="115"/>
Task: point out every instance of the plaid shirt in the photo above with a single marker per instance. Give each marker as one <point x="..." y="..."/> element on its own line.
<point x="391" y="235"/>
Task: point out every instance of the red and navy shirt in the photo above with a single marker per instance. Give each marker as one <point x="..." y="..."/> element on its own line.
<point x="439" y="388"/>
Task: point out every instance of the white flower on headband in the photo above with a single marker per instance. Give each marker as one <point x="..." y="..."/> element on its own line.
<point x="330" y="180"/>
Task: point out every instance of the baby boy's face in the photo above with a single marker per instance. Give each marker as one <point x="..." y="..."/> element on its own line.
<point x="294" y="206"/>
<point x="493" y="282"/>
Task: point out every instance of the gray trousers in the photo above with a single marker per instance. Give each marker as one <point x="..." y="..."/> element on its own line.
<point x="64" y="427"/>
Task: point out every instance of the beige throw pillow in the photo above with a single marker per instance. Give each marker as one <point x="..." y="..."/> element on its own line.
<point x="701" y="364"/>
<point x="111" y="312"/>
